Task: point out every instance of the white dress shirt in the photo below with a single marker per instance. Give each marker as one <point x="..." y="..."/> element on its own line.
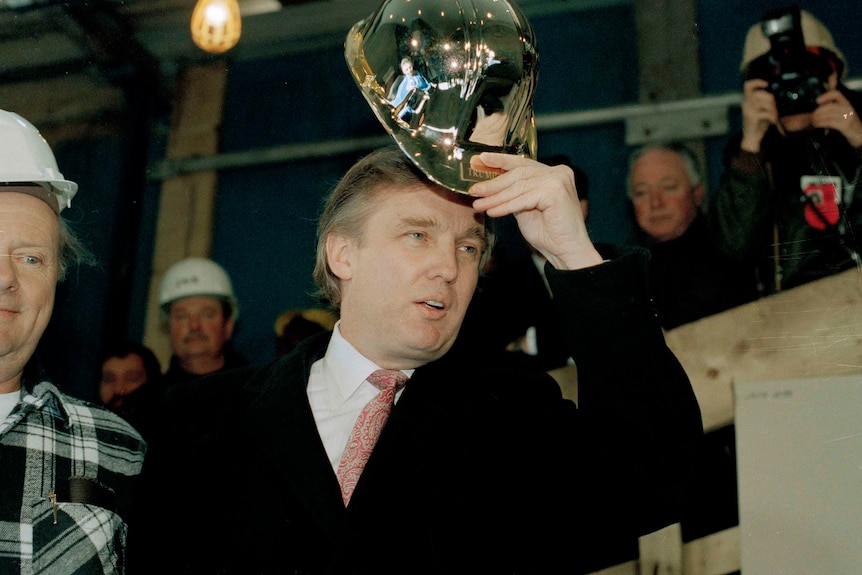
<point x="8" y="401"/>
<point x="338" y="390"/>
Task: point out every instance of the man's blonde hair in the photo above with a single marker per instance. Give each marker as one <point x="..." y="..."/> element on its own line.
<point x="353" y="200"/>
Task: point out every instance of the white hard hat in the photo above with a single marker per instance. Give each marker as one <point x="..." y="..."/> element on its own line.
<point x="479" y="66"/>
<point x="26" y="158"/>
<point x="197" y="277"/>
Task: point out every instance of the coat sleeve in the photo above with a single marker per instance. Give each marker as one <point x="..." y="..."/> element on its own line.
<point x="740" y="211"/>
<point x="641" y="425"/>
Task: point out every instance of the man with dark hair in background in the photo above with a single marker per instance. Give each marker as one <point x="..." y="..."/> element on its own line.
<point x="130" y="383"/>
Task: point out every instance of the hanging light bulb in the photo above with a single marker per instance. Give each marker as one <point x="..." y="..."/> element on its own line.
<point x="216" y="25"/>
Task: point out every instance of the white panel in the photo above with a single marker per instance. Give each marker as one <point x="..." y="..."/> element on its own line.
<point x="799" y="458"/>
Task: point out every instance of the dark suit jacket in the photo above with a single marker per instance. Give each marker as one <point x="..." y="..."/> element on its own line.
<point x="477" y="470"/>
<point x="511" y="300"/>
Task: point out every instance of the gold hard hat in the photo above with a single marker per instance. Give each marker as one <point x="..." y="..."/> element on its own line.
<point x="448" y="81"/>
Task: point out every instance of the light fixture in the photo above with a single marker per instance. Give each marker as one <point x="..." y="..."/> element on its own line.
<point x="216" y="25"/>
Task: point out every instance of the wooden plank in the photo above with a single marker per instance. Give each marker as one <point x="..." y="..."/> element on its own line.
<point x="627" y="568"/>
<point x="667" y="55"/>
<point x="715" y="554"/>
<point x="186" y="208"/>
<point x="567" y="378"/>
<point x="72" y="107"/>
<point x="67" y="99"/>
<point x="811" y="330"/>
<point x="660" y="552"/>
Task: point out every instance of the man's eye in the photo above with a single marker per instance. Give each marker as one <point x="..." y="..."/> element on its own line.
<point x="33" y="260"/>
<point x="417" y="235"/>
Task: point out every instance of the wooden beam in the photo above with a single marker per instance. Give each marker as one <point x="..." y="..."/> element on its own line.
<point x="74" y="107"/>
<point x="715" y="554"/>
<point x="668" y="63"/>
<point x="661" y="551"/>
<point x="811" y="330"/>
<point x="186" y="208"/>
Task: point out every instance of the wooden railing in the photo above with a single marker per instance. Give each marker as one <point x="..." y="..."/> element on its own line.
<point x="811" y="330"/>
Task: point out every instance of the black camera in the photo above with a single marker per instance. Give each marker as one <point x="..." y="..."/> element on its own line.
<point x="796" y="76"/>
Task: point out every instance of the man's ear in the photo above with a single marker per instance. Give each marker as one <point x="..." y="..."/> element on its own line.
<point x="339" y="249"/>
<point x="228" y="327"/>
<point x="698" y="192"/>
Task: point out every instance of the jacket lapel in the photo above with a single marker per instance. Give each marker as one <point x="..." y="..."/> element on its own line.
<point x="281" y="426"/>
<point x="420" y="428"/>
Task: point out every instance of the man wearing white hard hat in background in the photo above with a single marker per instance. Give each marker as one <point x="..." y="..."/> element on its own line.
<point x="69" y="468"/>
<point x="197" y="299"/>
<point x="479" y="469"/>
<point x="789" y="198"/>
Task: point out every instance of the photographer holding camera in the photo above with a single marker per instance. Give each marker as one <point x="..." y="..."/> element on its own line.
<point x="786" y="198"/>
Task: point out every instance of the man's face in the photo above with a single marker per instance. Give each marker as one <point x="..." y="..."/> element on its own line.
<point x="664" y="201"/>
<point x="120" y="377"/>
<point x="199" y="328"/>
<point x="407" y="283"/>
<point x="29" y="237"/>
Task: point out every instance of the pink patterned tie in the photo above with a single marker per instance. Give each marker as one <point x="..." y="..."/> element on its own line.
<point x="367" y="428"/>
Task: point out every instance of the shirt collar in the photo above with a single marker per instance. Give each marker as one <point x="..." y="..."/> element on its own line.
<point x="345" y="368"/>
<point x="37" y="389"/>
<point x="47" y="395"/>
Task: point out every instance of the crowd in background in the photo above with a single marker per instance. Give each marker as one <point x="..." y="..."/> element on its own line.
<point x="784" y="215"/>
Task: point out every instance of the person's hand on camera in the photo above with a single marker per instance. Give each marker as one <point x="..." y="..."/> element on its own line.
<point x="545" y="204"/>
<point x="758" y="113"/>
<point x="835" y="112"/>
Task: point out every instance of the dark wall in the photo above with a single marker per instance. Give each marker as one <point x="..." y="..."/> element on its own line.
<point x="265" y="216"/>
<point x="73" y="339"/>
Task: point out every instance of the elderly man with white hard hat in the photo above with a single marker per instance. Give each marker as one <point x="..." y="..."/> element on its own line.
<point x="786" y="199"/>
<point x="69" y="467"/>
<point x="197" y="300"/>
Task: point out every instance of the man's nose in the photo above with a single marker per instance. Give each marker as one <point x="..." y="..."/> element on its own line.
<point x="8" y="276"/>
<point x="445" y="264"/>
<point x="656" y="198"/>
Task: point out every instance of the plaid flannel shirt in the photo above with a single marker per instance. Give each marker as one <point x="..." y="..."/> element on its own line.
<point x="68" y="471"/>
